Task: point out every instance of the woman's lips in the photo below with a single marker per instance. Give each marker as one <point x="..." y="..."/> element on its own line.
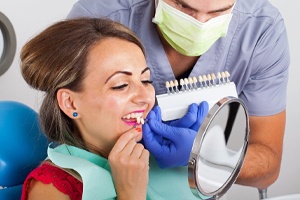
<point x="130" y="123"/>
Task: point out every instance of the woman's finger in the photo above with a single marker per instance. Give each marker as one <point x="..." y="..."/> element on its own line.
<point x="123" y="140"/>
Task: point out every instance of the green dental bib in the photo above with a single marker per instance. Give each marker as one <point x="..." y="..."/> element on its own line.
<point x="93" y="169"/>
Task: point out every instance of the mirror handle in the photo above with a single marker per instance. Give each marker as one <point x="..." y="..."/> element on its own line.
<point x="263" y="194"/>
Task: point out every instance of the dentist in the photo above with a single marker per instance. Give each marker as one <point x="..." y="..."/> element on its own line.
<point x="186" y="38"/>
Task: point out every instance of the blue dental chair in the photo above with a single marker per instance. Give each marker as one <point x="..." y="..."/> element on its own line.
<point x="22" y="147"/>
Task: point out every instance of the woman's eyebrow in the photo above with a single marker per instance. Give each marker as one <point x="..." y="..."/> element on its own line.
<point x="119" y="72"/>
<point x="146" y="69"/>
<point x="126" y="73"/>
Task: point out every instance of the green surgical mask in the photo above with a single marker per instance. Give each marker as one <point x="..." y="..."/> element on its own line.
<point x="187" y="35"/>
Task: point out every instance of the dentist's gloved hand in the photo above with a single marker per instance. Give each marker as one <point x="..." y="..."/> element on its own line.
<point x="193" y="118"/>
<point x="170" y="144"/>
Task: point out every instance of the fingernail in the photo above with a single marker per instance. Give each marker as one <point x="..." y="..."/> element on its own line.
<point x="138" y="129"/>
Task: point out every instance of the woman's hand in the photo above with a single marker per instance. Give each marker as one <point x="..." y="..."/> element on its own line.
<point x="129" y="162"/>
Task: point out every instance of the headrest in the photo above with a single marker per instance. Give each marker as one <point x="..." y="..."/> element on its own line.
<point x="22" y="143"/>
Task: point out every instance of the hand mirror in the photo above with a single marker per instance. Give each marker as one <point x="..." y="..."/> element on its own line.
<point x="7" y="43"/>
<point x="219" y="149"/>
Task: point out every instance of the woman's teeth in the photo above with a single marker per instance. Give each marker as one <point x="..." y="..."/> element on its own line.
<point x="137" y="116"/>
<point x="140" y="120"/>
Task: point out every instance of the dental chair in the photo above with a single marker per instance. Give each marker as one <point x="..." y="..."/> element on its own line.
<point x="22" y="147"/>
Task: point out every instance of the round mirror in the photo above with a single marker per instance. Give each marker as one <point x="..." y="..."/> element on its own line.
<point x="219" y="149"/>
<point x="7" y="43"/>
<point x="1" y="43"/>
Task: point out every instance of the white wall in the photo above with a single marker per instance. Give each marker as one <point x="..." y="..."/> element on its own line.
<point x="28" y="18"/>
<point x="31" y="16"/>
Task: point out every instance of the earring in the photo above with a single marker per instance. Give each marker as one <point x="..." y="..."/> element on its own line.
<point x="75" y="114"/>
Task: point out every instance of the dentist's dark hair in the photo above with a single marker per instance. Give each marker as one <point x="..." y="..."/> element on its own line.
<point x="57" y="58"/>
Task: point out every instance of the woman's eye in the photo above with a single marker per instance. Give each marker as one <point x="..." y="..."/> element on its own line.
<point x="146" y="82"/>
<point x="123" y="86"/>
<point x="120" y="87"/>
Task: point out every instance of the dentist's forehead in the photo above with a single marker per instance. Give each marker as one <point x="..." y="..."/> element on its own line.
<point x="202" y="5"/>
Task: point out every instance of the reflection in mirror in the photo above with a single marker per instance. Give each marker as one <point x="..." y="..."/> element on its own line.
<point x="1" y="43"/>
<point x="219" y="149"/>
<point x="7" y="43"/>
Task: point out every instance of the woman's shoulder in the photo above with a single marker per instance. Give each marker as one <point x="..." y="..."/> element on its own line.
<point x="49" y="176"/>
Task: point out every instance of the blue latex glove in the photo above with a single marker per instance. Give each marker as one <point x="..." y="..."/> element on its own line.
<point x="193" y="118"/>
<point x="171" y="145"/>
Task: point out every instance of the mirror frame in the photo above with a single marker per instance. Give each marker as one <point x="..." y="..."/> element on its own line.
<point x="192" y="165"/>
<point x="9" y="43"/>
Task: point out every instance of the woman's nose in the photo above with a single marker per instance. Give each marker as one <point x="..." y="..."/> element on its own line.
<point x="144" y="94"/>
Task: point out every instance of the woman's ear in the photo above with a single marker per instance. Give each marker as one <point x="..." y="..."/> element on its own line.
<point x="66" y="102"/>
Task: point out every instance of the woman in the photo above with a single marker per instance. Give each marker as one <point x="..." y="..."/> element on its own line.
<point x="97" y="93"/>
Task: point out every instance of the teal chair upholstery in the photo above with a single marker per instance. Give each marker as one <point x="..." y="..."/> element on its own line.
<point x="22" y="147"/>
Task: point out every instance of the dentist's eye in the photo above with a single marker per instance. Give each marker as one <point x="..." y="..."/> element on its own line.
<point x="120" y="87"/>
<point x="180" y="5"/>
<point x="146" y="82"/>
<point x="184" y="8"/>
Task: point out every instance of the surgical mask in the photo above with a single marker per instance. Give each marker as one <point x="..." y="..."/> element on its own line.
<point x="187" y="35"/>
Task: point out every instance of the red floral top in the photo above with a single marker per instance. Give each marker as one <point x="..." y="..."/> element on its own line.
<point x="63" y="181"/>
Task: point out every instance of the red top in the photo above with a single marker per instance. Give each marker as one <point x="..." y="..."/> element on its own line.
<point x="63" y="181"/>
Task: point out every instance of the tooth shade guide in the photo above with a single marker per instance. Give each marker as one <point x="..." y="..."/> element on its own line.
<point x="209" y="79"/>
<point x="227" y="76"/>
<point x="186" y="83"/>
<point x="168" y="87"/>
<point x="171" y="83"/>
<point x="181" y="82"/>
<point x="195" y="82"/>
<point x="213" y="78"/>
<point x="191" y="83"/>
<point x="204" y="80"/>
<point x="176" y="85"/>
<point x="200" y="81"/>
<point x="211" y="88"/>
<point x="172" y="86"/>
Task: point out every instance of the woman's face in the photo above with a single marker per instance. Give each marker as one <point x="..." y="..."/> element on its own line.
<point x="116" y="90"/>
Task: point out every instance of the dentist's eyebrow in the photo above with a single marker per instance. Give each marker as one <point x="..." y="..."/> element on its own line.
<point x="209" y="12"/>
<point x="221" y="9"/>
<point x="119" y="72"/>
<point x="185" y="5"/>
